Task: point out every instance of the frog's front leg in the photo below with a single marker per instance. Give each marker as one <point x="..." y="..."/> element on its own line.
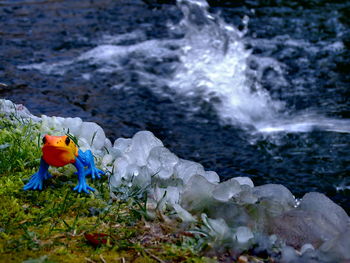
<point x="88" y="160"/>
<point x="37" y="179"/>
<point x="82" y="185"/>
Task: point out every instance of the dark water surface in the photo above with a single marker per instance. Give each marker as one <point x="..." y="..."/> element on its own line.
<point x="127" y="66"/>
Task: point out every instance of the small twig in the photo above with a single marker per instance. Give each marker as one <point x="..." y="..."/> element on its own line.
<point x="102" y="259"/>
<point x="154" y="256"/>
<point x="123" y="260"/>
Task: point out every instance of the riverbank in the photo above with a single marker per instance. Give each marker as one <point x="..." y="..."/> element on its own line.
<point x="153" y="207"/>
<point x="59" y="225"/>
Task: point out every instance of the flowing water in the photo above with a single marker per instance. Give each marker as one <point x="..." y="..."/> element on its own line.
<point x="255" y="88"/>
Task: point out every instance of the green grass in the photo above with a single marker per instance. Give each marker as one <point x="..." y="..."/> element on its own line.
<point x="51" y="225"/>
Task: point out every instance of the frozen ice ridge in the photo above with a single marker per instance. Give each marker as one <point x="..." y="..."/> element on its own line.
<point x="234" y="214"/>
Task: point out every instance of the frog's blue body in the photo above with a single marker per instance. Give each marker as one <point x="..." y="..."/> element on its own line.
<point x="59" y="151"/>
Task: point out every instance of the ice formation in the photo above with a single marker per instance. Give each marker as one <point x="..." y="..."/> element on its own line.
<point x="234" y="214"/>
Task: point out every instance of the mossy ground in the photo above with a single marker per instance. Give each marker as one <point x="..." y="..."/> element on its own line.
<point x="53" y="225"/>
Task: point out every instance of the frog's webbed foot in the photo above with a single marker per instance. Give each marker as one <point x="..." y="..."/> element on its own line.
<point x="95" y="172"/>
<point x="83" y="187"/>
<point x="37" y="179"/>
<point x="35" y="182"/>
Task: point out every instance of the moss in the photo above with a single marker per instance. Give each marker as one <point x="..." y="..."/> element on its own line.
<point x="52" y="225"/>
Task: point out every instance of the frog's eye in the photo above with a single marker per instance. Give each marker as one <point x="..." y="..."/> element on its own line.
<point x="44" y="139"/>
<point x="67" y="141"/>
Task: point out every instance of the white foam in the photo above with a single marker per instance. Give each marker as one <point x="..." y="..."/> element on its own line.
<point x="306" y="124"/>
<point x="214" y="65"/>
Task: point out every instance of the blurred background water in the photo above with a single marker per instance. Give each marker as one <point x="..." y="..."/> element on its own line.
<point x="246" y="88"/>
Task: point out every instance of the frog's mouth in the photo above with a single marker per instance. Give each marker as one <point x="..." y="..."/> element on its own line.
<point x="58" y="156"/>
<point x="54" y="147"/>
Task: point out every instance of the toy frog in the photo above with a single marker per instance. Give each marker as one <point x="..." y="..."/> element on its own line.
<point x="59" y="151"/>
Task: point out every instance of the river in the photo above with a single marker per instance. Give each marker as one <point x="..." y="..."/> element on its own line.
<point x="250" y="88"/>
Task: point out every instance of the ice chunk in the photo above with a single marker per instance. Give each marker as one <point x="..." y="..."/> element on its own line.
<point x="161" y="162"/>
<point x="140" y="175"/>
<point x="169" y="195"/>
<point x="233" y="214"/>
<point x="121" y="145"/>
<point x="197" y="194"/>
<point x="7" y="107"/>
<point x="212" y="177"/>
<point x="246" y="195"/>
<point x="289" y="255"/>
<point x="52" y="125"/>
<point x="298" y="227"/>
<point x="185" y="169"/>
<point x="94" y="134"/>
<point x="73" y="125"/>
<point x="226" y="190"/>
<point x="83" y="144"/>
<point x="120" y="166"/>
<point x="183" y="214"/>
<point x="107" y="160"/>
<point x="108" y="144"/>
<point x="115" y="181"/>
<point x="141" y="145"/>
<point x="244" y="181"/>
<point x="325" y="206"/>
<point x="338" y="249"/>
<point x="243" y="235"/>
<point x="306" y="247"/>
<point x="218" y="229"/>
<point x="172" y="195"/>
<point x="275" y="192"/>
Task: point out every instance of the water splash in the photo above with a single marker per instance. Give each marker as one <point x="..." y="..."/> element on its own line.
<point x="214" y="67"/>
<point x="214" y="64"/>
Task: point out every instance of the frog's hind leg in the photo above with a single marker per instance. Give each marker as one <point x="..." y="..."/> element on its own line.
<point x="82" y="185"/>
<point x="88" y="161"/>
<point x="37" y="179"/>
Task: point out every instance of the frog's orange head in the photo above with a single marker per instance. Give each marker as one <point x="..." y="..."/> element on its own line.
<point x="59" y="150"/>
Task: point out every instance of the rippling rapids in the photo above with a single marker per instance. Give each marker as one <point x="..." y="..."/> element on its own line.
<point x="247" y="89"/>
